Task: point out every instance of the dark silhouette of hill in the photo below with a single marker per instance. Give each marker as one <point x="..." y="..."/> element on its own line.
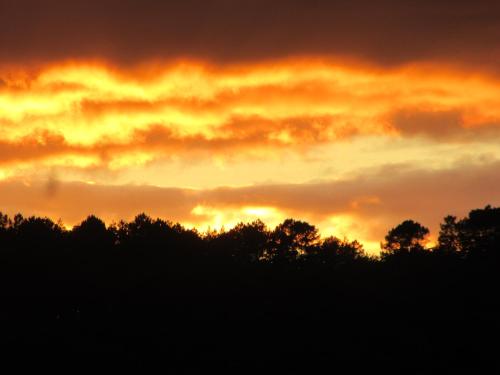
<point x="252" y="297"/>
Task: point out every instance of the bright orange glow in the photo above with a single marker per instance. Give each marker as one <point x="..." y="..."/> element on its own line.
<point x="189" y="124"/>
<point x="75" y="109"/>
<point x="226" y="218"/>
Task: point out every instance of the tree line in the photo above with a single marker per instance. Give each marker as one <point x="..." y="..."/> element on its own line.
<point x="148" y="287"/>
<point x="475" y="236"/>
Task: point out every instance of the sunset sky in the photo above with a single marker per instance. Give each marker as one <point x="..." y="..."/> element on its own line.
<point x="352" y="115"/>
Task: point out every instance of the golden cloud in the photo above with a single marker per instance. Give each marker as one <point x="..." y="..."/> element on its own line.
<point x="110" y="116"/>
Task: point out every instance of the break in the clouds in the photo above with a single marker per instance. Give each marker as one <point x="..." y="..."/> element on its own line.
<point x="212" y="112"/>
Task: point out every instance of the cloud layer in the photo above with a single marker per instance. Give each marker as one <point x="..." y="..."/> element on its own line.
<point x="363" y="207"/>
<point x="90" y="115"/>
<point x="387" y="32"/>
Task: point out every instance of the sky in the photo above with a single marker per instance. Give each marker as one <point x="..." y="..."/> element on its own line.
<point x="352" y="115"/>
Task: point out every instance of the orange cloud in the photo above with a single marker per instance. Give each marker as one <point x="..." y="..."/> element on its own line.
<point x="108" y="116"/>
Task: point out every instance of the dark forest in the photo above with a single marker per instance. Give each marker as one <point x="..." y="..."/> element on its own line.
<point x="147" y="289"/>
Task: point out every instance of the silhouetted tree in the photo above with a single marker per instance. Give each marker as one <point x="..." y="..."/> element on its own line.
<point x="35" y="232"/>
<point x="291" y="239"/>
<point x="245" y="242"/>
<point x="5" y="231"/>
<point x="143" y="233"/>
<point x="408" y="237"/>
<point x="91" y="233"/>
<point x="5" y="222"/>
<point x="251" y="239"/>
<point x="449" y="236"/>
<point x="479" y="233"/>
<point x="18" y="220"/>
<point x="166" y="240"/>
<point x="333" y="250"/>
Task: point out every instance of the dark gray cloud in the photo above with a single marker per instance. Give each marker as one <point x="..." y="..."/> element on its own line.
<point x="384" y="32"/>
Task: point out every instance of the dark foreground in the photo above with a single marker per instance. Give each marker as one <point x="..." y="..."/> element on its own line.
<point x="150" y="293"/>
<point x="410" y="319"/>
